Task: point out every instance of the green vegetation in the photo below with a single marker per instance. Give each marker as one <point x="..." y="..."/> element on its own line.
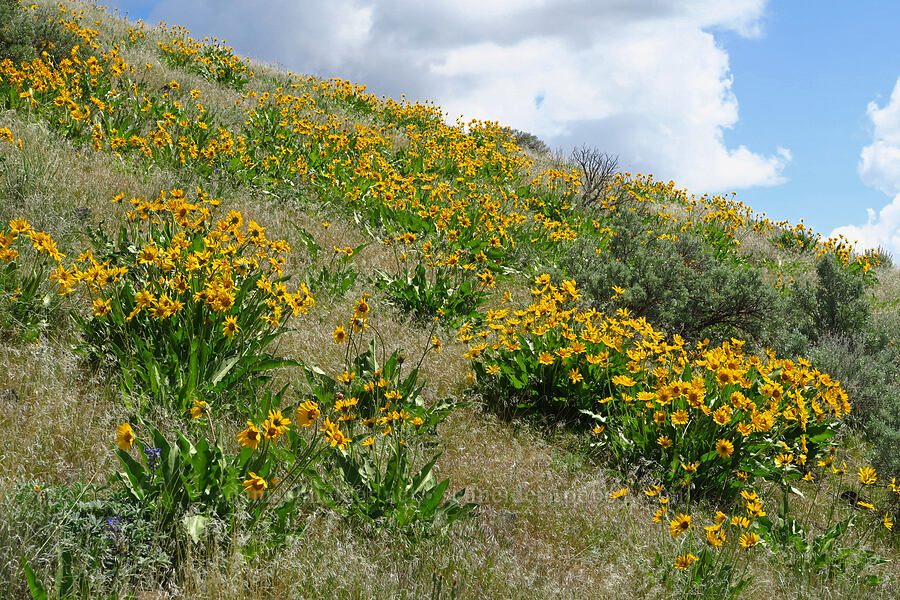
<point x="320" y="344"/>
<point x="24" y="34"/>
<point x="673" y="279"/>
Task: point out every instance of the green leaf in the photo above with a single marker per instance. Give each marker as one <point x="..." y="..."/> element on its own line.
<point x="153" y="373"/>
<point x="223" y="370"/>
<point x="393" y="471"/>
<point x="835" y="531"/>
<point x="194" y="526"/>
<point x="65" y="582"/>
<point x="420" y="480"/>
<point x="135" y="474"/>
<point x="515" y="381"/>
<point x="37" y="590"/>
<point x="433" y="498"/>
<point x="822" y="436"/>
<point x="193" y="368"/>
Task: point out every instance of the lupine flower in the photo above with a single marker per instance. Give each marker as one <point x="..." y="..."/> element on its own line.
<point x="152" y="455"/>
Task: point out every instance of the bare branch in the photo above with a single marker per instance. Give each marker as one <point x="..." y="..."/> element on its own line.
<point x="598" y="170"/>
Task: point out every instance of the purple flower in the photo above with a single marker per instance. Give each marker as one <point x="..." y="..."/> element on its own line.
<point x="152" y="455"/>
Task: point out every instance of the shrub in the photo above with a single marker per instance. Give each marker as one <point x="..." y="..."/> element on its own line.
<point x="598" y="171"/>
<point x="16" y="37"/>
<point x="840" y="303"/>
<point x="673" y="280"/>
<point x="884" y="434"/>
<point x="529" y="141"/>
<point x="23" y="35"/>
<point x="835" y="305"/>
<point x="867" y="364"/>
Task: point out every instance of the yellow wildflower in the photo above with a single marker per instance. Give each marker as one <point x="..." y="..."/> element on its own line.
<point x="255" y="486"/>
<point x="124" y="436"/>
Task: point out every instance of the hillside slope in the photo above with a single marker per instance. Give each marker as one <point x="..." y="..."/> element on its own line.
<point x="266" y="335"/>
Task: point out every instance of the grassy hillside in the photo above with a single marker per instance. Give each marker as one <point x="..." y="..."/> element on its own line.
<point x="266" y="335"/>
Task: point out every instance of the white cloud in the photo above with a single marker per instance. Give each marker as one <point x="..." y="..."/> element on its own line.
<point x="879" y="164"/>
<point x="641" y="78"/>
<point x="355" y="30"/>
<point x="879" y="167"/>
<point x="882" y="229"/>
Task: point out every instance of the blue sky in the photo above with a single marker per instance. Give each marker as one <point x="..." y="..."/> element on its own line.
<point x="787" y="102"/>
<point x="805" y="84"/>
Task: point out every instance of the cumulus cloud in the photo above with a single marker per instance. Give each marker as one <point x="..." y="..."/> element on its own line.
<point x="879" y="163"/>
<point x="879" y="167"/>
<point x="641" y="78"/>
<point x="881" y="229"/>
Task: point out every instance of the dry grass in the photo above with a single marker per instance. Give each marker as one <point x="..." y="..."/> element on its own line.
<point x="545" y="527"/>
<point x="888" y="289"/>
<point x="55" y="425"/>
<point x="52" y="417"/>
<point x="31" y="180"/>
<point x="543" y="530"/>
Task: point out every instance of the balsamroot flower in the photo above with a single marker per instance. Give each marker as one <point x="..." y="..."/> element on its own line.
<point x="724" y="448"/>
<point x="275" y="426"/>
<point x="255" y="486"/>
<point x="101" y="307"/>
<point x="333" y="433"/>
<point x="715" y="536"/>
<point x="230" y="327"/>
<point x="783" y="459"/>
<point x="279" y="421"/>
<point x="307" y="413"/>
<point x="200" y="408"/>
<point x="250" y="437"/>
<point x="679" y="524"/>
<point x="867" y="475"/>
<point x="685" y="561"/>
<point x="361" y="310"/>
<point x="618" y="493"/>
<point x="680" y="417"/>
<point x="18" y="226"/>
<point x="124" y="436"/>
